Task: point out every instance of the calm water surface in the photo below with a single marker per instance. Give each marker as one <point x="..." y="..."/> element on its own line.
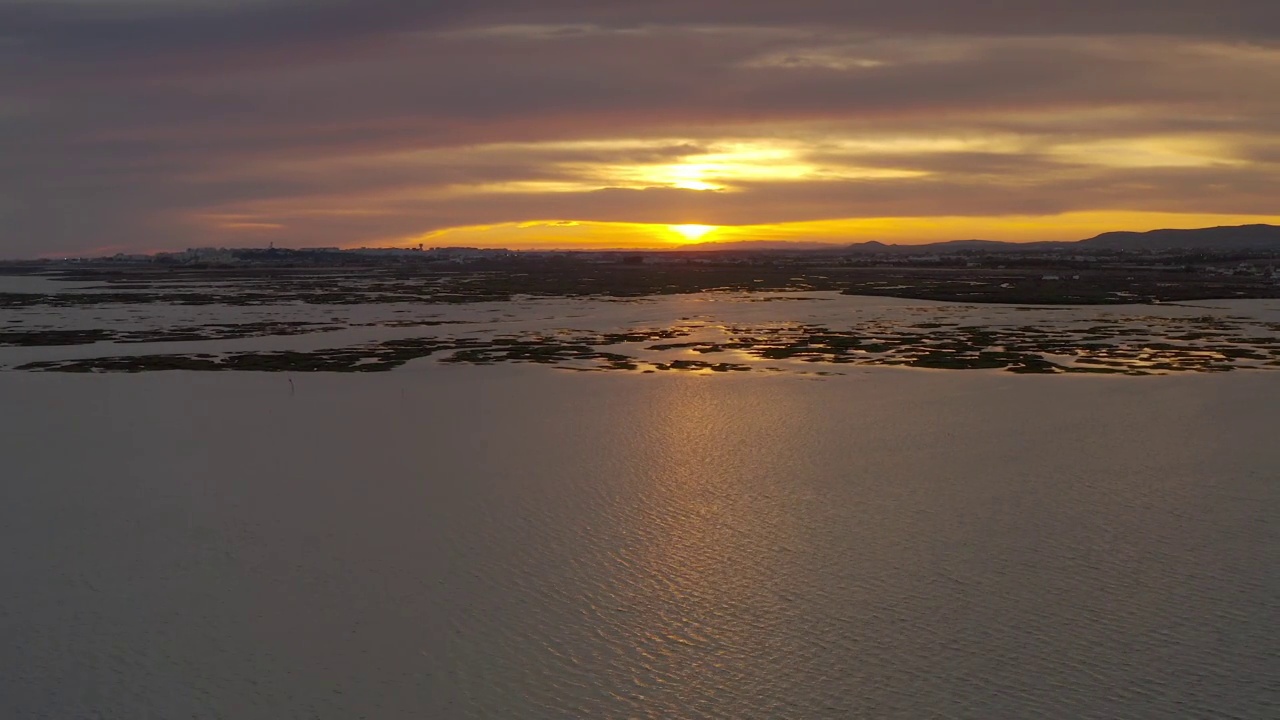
<point x="513" y="543"/>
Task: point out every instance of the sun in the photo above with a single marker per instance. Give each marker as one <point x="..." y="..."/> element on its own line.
<point x="691" y="232"/>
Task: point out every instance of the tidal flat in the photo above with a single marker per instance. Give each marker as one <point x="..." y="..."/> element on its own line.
<point x="383" y="323"/>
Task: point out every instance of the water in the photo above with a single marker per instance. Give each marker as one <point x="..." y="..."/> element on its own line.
<point x="529" y="543"/>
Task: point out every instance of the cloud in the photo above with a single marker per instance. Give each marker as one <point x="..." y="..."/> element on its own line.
<point x="147" y="124"/>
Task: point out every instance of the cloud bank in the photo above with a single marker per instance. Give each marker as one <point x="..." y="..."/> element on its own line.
<point x="135" y="125"/>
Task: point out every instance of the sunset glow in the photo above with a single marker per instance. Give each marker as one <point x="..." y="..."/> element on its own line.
<point x="564" y="235"/>
<point x="691" y="232"/>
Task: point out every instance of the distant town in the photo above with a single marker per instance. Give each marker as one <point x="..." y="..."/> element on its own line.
<point x="1160" y="266"/>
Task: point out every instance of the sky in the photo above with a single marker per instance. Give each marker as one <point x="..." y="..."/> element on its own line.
<point x="146" y="125"/>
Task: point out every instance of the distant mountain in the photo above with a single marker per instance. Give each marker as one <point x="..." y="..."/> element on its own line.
<point x="1240" y="237"/>
<point x="1222" y="239"/>
<point x="875" y="246"/>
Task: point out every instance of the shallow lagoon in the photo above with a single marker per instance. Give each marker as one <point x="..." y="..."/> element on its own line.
<point x="511" y="541"/>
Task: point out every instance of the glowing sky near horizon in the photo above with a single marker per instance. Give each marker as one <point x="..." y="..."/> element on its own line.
<point x="135" y="126"/>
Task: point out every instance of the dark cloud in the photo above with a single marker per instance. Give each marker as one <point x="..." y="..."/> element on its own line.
<point x="122" y="27"/>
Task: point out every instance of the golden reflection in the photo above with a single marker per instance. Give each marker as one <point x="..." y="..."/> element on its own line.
<point x="713" y="528"/>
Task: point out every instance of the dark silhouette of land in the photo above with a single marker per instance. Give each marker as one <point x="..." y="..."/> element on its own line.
<point x="1113" y="268"/>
